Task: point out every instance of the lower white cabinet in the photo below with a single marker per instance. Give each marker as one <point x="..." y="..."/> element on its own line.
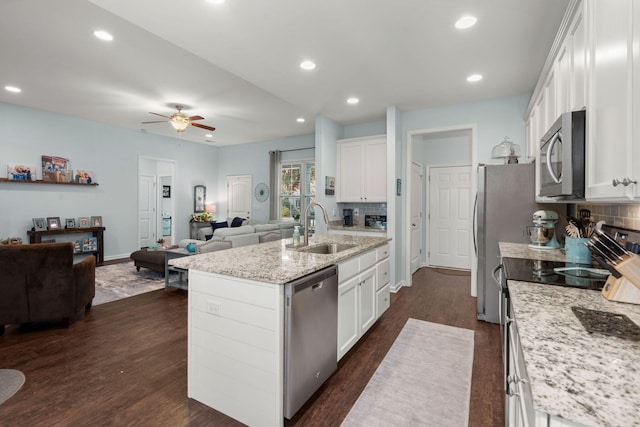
<point x="363" y="295"/>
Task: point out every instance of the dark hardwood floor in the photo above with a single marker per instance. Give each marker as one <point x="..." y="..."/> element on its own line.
<point x="125" y="362"/>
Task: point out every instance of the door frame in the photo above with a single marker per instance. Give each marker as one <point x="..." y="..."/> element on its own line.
<point x="421" y="262"/>
<point x="473" y="128"/>
<point x="174" y="195"/>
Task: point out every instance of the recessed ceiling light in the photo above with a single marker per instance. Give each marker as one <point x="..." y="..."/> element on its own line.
<point x="474" y="78"/>
<point x="300" y="120"/>
<point x="13" y="89"/>
<point x="208" y="135"/>
<point x="466" y="22"/>
<point x="352" y="100"/>
<point x="307" y="65"/>
<point x="216" y="1"/>
<point x="103" y="35"/>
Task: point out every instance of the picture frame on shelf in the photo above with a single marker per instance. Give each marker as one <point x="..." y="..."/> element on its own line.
<point x="55" y="169"/>
<point x="96" y="221"/>
<point x="70" y="223"/>
<point x="39" y="224"/>
<point x="83" y="222"/>
<point x="83" y="177"/>
<point x="89" y="244"/>
<point x="77" y="246"/>
<point x="53" y="223"/>
<point x="21" y="173"/>
<point x="166" y="191"/>
<point x="199" y="197"/>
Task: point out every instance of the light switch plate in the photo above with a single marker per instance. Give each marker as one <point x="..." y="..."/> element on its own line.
<point x="214" y="307"/>
<point x="356" y="211"/>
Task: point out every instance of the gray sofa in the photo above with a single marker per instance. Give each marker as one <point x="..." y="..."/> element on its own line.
<point x="251" y="232"/>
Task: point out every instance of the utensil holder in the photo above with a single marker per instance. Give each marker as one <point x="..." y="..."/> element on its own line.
<point x="621" y="290"/>
<point x="630" y="268"/>
<point x="576" y="250"/>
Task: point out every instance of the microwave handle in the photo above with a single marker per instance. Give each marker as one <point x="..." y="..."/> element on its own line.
<point x="557" y="137"/>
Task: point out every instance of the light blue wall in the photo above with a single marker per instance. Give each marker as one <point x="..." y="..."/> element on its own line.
<point x="253" y="159"/>
<point x="112" y="154"/>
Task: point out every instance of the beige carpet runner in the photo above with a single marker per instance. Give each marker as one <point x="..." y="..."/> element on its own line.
<point x="424" y="380"/>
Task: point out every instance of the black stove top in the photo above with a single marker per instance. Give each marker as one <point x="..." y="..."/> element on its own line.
<point x="528" y="270"/>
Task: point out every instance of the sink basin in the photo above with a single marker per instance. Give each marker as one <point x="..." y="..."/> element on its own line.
<point x="326" y="248"/>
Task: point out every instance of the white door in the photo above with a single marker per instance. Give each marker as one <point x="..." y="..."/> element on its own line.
<point x="147" y="210"/>
<point x="239" y="196"/>
<point x="416" y="216"/>
<point x="450" y="217"/>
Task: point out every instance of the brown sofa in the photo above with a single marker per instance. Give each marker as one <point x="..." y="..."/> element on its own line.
<point x="40" y="283"/>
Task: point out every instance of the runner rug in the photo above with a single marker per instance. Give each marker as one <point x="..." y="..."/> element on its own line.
<point x="424" y="380"/>
<point x="117" y="281"/>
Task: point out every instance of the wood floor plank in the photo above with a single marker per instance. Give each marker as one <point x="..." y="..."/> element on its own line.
<point x="125" y="362"/>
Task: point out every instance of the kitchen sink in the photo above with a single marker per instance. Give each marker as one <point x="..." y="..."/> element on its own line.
<point x="326" y="248"/>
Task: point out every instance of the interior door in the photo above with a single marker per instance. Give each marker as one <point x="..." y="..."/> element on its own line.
<point x="416" y="216"/>
<point x="239" y="196"/>
<point x="450" y="217"/>
<point x="146" y="210"/>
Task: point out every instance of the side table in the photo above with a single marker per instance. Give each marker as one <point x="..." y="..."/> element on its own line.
<point x="181" y="281"/>
<point x="195" y="226"/>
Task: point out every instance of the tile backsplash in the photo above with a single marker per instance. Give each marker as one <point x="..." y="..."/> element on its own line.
<point x="363" y="209"/>
<point x="622" y="215"/>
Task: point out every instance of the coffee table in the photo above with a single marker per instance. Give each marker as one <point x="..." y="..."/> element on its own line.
<point x="181" y="280"/>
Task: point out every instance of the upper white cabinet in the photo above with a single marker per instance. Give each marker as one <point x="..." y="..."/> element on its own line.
<point x="610" y="101"/>
<point x="362" y="170"/>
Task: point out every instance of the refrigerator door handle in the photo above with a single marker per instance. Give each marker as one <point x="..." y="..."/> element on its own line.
<point x="495" y="272"/>
<point x="475" y="225"/>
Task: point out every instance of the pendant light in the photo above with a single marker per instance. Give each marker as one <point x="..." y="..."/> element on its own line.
<point x="506" y="150"/>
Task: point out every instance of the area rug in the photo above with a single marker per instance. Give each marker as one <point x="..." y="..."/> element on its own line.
<point x="424" y="380"/>
<point x="117" y="281"/>
<point x="10" y="382"/>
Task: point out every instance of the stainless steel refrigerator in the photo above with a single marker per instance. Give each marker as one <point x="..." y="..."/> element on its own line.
<point x="504" y="205"/>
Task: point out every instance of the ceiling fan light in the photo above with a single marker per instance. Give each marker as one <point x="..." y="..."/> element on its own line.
<point x="179" y="122"/>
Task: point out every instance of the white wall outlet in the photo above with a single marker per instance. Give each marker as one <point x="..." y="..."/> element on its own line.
<point x="214" y="307"/>
<point x="356" y="211"/>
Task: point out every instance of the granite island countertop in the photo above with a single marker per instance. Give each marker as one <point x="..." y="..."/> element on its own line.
<point x="592" y="379"/>
<point x="274" y="262"/>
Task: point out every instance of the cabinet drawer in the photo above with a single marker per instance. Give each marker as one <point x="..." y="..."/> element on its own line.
<point x="348" y="269"/>
<point x="367" y="260"/>
<point x="383" y="273"/>
<point x="383" y="300"/>
<point x="383" y="252"/>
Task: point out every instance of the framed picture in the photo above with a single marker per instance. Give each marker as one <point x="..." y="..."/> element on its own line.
<point x="53" y="223"/>
<point x="199" y="197"/>
<point x="166" y="191"/>
<point x="21" y="173"/>
<point x="83" y="177"/>
<point x="83" y="222"/>
<point x="89" y="244"/>
<point x="96" y="221"/>
<point x="70" y="223"/>
<point x="77" y="246"/>
<point x="329" y="185"/>
<point x="55" y="169"/>
<point x="39" y="224"/>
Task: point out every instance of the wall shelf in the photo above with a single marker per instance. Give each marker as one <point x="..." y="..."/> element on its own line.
<point x="93" y="184"/>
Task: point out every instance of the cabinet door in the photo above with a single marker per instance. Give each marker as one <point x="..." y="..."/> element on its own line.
<point x="578" y="73"/>
<point x="563" y="72"/>
<point x="375" y="171"/>
<point x="348" y="316"/>
<point x="367" y="287"/>
<point x="609" y="120"/>
<point x="350" y="172"/>
<point x="383" y="300"/>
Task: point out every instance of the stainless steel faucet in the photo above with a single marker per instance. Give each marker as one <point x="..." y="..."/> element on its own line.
<point x="306" y="216"/>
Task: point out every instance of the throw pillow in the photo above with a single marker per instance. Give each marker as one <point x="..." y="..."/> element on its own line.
<point x="237" y="222"/>
<point x="221" y="224"/>
<point x="208" y="236"/>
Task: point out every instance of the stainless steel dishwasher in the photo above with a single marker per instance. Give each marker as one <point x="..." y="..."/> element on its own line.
<point x="311" y="336"/>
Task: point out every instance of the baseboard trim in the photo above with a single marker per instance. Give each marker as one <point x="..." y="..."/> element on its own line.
<point x="395" y="288"/>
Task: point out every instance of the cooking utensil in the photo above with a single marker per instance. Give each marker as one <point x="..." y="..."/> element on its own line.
<point x="573" y="231"/>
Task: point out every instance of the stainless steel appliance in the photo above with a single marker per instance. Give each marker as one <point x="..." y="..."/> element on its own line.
<point x="542" y="234"/>
<point x="311" y="336"/>
<point x="347" y="215"/>
<point x="562" y="157"/>
<point x="504" y="203"/>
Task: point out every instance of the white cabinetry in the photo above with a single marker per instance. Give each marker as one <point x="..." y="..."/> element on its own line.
<point x="362" y="170"/>
<point x="363" y="295"/>
<point x="612" y="99"/>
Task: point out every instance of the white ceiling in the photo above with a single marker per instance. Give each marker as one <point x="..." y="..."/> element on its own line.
<point x="237" y="64"/>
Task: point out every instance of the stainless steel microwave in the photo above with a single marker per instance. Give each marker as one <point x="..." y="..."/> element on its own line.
<point x="561" y="165"/>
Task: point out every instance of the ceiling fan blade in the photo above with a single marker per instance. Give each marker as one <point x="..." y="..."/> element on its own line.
<point x="203" y="126"/>
<point x="195" y="118"/>
<point x="161" y="115"/>
<point x="157" y="121"/>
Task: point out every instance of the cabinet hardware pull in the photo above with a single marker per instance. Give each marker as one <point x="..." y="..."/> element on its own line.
<point x="627" y="181"/>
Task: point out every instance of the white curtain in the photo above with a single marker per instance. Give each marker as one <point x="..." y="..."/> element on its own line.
<point x="274" y="183"/>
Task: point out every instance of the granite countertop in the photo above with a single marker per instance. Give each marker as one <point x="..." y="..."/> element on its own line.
<point x="592" y="379"/>
<point x="357" y="227"/>
<point x="273" y="262"/>
<point x="522" y="250"/>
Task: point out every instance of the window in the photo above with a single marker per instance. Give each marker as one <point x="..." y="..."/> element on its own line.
<point x="297" y="190"/>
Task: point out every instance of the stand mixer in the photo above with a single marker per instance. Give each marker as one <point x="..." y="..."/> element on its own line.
<point x="542" y="234"/>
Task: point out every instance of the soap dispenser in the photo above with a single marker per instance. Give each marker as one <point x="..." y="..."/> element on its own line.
<point x="296" y="236"/>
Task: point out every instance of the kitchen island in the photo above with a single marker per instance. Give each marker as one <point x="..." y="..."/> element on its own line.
<point x="573" y="378"/>
<point x="237" y="322"/>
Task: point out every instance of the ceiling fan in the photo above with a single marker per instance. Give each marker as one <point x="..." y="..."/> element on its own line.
<point x="180" y="121"/>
